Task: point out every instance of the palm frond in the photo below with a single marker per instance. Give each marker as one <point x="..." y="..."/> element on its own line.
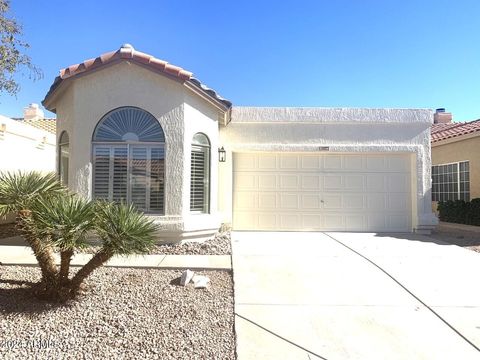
<point x="64" y="219"/>
<point x="123" y="229"/>
<point x="19" y="190"/>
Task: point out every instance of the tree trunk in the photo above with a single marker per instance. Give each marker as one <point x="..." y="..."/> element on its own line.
<point x="65" y="258"/>
<point x="43" y="252"/>
<point x="96" y="261"/>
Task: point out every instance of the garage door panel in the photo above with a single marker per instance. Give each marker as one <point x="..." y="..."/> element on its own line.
<point x="376" y="163"/>
<point x="311" y="162"/>
<point x="355" y="222"/>
<point x="312" y="222"/>
<point x="397" y="183"/>
<point x="334" y="221"/>
<point x="332" y="162"/>
<point x="354" y="201"/>
<point x="245" y="200"/>
<point x="332" y="201"/>
<point x="247" y="181"/>
<point x="354" y="182"/>
<point x="398" y="163"/>
<point x="311" y="182"/>
<point x="397" y="202"/>
<point x="310" y="201"/>
<point x="397" y="222"/>
<point x="376" y="182"/>
<point x="377" y="222"/>
<point x="289" y="201"/>
<point x="267" y="201"/>
<point x="333" y="182"/>
<point x="289" y="221"/>
<point x="246" y="162"/>
<point x="267" y="221"/>
<point x="326" y="192"/>
<point x="267" y="162"/>
<point x="289" y="181"/>
<point x="353" y="162"/>
<point x="289" y="162"/>
<point x="376" y="201"/>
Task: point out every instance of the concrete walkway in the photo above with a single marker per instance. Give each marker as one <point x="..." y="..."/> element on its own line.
<point x="22" y="255"/>
<point x="307" y="296"/>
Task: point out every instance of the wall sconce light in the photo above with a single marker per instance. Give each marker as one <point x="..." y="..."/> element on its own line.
<point x="3" y="128"/>
<point x="222" y="155"/>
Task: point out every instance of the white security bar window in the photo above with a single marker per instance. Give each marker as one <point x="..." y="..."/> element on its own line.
<point x="129" y="159"/>
<point x="200" y="174"/>
<point x="451" y="181"/>
<point x="63" y="157"/>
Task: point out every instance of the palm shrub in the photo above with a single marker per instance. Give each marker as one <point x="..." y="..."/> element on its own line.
<point x="53" y="220"/>
<point x="18" y="193"/>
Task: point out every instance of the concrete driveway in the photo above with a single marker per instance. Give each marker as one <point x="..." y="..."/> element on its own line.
<point x="307" y="296"/>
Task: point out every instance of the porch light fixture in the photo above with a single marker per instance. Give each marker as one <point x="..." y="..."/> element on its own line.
<point x="3" y="128"/>
<point x="222" y="155"/>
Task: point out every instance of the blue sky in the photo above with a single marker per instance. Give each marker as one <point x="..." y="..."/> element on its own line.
<point x="337" y="53"/>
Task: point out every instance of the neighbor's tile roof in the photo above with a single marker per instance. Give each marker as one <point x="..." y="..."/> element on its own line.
<point x="447" y="131"/>
<point x="48" y="124"/>
<point x="127" y="52"/>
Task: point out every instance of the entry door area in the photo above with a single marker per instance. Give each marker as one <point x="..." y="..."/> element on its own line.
<point x="313" y="192"/>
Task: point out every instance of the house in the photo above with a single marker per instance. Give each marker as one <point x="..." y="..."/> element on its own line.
<point x="147" y="132"/>
<point x="455" y="158"/>
<point x="28" y="143"/>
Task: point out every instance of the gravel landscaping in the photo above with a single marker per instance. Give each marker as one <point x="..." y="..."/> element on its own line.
<point x="219" y="245"/>
<point x="124" y="314"/>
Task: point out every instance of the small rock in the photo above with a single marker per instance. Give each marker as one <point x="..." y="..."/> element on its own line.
<point x="187" y="275"/>
<point x="200" y="281"/>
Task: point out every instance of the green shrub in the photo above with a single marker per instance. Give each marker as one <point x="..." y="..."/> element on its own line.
<point x="461" y="212"/>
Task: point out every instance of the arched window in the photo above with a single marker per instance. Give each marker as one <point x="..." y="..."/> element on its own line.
<point x="200" y="174"/>
<point x="63" y="157"/>
<point x="129" y="159"/>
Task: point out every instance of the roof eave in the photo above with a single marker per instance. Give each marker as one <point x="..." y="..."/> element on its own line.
<point x="455" y="138"/>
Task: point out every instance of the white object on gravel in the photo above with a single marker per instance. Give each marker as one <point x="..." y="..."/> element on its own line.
<point x="200" y="281"/>
<point x="187" y="275"/>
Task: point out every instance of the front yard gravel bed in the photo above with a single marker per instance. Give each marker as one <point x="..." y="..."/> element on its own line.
<point x="219" y="245"/>
<point x="124" y="314"/>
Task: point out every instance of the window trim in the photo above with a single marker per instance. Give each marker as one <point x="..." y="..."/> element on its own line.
<point x="459" y="192"/>
<point x="206" y="149"/>
<point x="61" y="143"/>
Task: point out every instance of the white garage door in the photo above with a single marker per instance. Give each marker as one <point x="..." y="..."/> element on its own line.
<point x="293" y="191"/>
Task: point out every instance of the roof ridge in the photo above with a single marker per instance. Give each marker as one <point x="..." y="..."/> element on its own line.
<point x="127" y="52"/>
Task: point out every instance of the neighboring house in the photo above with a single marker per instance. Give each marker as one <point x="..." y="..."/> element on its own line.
<point x="144" y="131"/>
<point x="27" y="143"/>
<point x="455" y="159"/>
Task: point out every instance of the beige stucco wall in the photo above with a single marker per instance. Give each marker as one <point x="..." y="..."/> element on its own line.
<point x="462" y="150"/>
<point x="343" y="131"/>
<point x="88" y="98"/>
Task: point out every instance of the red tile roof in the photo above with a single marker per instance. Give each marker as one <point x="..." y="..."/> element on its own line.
<point x="450" y="130"/>
<point x="127" y="52"/>
<point x="47" y="124"/>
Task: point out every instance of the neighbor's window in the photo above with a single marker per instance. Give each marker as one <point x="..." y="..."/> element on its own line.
<point x="451" y="181"/>
<point x="200" y="174"/>
<point x="129" y="159"/>
<point x="63" y="157"/>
